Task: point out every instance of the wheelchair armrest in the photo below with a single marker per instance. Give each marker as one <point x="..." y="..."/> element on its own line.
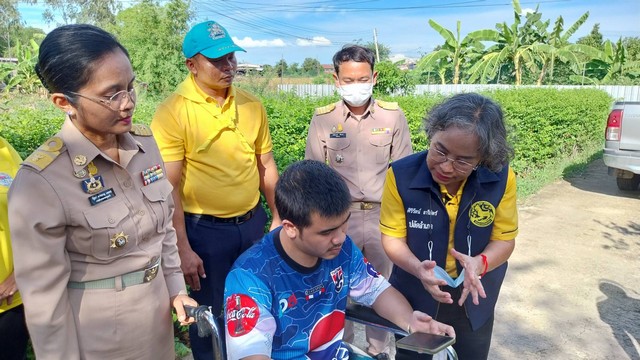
<point x="418" y="342"/>
<point x="367" y="316"/>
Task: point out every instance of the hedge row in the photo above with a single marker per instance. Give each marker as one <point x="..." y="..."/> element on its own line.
<point x="544" y="123"/>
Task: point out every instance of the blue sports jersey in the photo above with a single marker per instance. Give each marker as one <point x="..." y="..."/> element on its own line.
<point x="277" y="308"/>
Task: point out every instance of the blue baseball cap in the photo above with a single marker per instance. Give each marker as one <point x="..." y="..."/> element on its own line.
<point x="209" y="39"/>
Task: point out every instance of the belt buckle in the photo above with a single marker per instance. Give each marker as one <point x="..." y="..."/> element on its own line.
<point x="150" y="273"/>
<point x="366" y="206"/>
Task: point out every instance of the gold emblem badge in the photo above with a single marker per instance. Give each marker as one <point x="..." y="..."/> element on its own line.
<point x="80" y="160"/>
<point x="80" y="173"/>
<point x="482" y="213"/>
<point x="119" y="240"/>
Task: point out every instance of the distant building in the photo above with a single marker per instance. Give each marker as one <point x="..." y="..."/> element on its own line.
<point x="328" y="68"/>
<point x="248" y="68"/>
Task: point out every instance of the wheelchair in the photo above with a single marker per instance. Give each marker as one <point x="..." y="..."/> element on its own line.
<point x="421" y="343"/>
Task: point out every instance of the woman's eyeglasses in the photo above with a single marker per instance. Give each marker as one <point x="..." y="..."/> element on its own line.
<point x="459" y="165"/>
<point x="115" y="101"/>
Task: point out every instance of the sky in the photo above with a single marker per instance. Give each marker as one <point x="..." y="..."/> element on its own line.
<point x="297" y="29"/>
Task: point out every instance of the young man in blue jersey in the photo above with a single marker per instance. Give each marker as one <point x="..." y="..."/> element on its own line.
<point x="286" y="296"/>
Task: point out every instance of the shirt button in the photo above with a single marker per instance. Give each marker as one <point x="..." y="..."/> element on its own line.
<point x="111" y="221"/>
<point x="127" y="183"/>
<point x="141" y="212"/>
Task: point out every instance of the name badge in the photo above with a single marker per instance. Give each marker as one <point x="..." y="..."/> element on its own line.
<point x="101" y="197"/>
<point x="338" y="135"/>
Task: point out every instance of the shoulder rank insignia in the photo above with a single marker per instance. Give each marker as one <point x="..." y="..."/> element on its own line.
<point x="388" y="105"/>
<point x="325" y="109"/>
<point x="45" y="154"/>
<point x="140" y="130"/>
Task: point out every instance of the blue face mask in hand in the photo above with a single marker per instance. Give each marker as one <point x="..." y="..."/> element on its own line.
<point x="443" y="275"/>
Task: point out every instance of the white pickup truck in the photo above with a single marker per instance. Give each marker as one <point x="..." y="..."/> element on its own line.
<point x="622" y="144"/>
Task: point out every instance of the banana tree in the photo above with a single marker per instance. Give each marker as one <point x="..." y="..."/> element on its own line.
<point x="453" y="53"/>
<point x="22" y="75"/>
<point x="517" y="44"/>
<point x="611" y="66"/>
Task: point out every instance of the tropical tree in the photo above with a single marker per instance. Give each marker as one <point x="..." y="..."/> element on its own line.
<point x="156" y="55"/>
<point x="612" y="67"/>
<point x="281" y="67"/>
<point x="594" y="39"/>
<point x="96" y="12"/>
<point x="559" y="47"/>
<point x="453" y="53"/>
<point x="9" y="22"/>
<point x="312" y="66"/>
<point x="515" y="43"/>
<point x="392" y="80"/>
<point x="22" y="76"/>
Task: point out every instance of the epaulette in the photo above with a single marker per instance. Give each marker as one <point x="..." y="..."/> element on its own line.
<point x="388" y="105"/>
<point x="45" y="154"/>
<point x="140" y="130"/>
<point x="325" y="109"/>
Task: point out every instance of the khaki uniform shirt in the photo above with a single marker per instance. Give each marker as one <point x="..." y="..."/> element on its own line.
<point x="58" y="235"/>
<point x="359" y="148"/>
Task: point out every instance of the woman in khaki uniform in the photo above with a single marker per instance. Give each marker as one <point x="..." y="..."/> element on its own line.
<point x="90" y="211"/>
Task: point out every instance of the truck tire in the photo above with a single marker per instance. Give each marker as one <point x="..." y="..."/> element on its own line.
<point x="629" y="184"/>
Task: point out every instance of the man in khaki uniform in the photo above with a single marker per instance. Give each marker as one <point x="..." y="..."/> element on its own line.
<point x="358" y="137"/>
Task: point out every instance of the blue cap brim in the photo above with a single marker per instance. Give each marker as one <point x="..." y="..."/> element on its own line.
<point x="216" y="52"/>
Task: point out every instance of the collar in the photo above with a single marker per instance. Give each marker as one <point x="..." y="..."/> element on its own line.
<point x="80" y="147"/>
<point x="190" y="90"/>
<point x="346" y="113"/>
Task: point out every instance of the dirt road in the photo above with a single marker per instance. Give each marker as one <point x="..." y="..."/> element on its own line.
<point x="572" y="290"/>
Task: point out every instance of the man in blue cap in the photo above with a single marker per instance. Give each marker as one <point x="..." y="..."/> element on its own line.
<point x="215" y="141"/>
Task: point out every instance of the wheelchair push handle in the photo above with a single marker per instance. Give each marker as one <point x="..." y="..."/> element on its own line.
<point x="208" y="325"/>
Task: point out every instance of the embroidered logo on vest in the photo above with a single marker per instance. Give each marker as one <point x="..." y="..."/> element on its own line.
<point x="482" y="213"/>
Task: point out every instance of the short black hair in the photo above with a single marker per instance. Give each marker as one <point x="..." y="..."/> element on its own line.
<point x="355" y="53"/>
<point x="480" y="115"/>
<point x="69" y="53"/>
<point x="310" y="186"/>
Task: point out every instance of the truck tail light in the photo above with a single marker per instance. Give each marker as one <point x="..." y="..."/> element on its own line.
<point x="614" y="122"/>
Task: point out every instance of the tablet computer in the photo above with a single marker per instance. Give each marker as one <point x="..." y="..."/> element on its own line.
<point x="425" y="343"/>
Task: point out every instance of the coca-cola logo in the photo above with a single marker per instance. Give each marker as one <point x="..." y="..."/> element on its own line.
<point x="245" y="312"/>
<point x="242" y="314"/>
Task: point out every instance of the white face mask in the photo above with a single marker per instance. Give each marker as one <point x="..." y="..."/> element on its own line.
<point x="356" y="94"/>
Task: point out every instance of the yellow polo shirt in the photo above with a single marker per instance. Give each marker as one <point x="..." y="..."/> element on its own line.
<point x="218" y="146"/>
<point x="9" y="164"/>
<point x="505" y="223"/>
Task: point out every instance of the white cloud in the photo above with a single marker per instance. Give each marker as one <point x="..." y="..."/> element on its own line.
<point x="248" y="42"/>
<point x="316" y="41"/>
<point x="527" y="11"/>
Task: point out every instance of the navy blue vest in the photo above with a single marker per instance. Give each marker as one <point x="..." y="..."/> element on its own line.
<point x="427" y="220"/>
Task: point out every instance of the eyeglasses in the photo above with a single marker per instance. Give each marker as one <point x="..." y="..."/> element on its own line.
<point x="459" y="165"/>
<point x="115" y="101"/>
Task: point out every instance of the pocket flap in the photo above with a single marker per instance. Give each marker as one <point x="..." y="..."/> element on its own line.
<point x="380" y="140"/>
<point x="158" y="191"/>
<point x="108" y="215"/>
<point x="338" y="143"/>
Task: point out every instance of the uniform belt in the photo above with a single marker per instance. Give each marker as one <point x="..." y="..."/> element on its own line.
<point x="364" y="205"/>
<point x="129" y="279"/>
<point x="232" y="220"/>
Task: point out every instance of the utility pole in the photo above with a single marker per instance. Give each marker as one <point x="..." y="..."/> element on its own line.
<point x="375" y="42"/>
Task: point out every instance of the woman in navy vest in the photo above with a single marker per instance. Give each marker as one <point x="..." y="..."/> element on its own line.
<point x="449" y="219"/>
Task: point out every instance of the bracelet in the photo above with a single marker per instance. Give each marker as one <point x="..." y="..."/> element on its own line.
<point x="486" y="265"/>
